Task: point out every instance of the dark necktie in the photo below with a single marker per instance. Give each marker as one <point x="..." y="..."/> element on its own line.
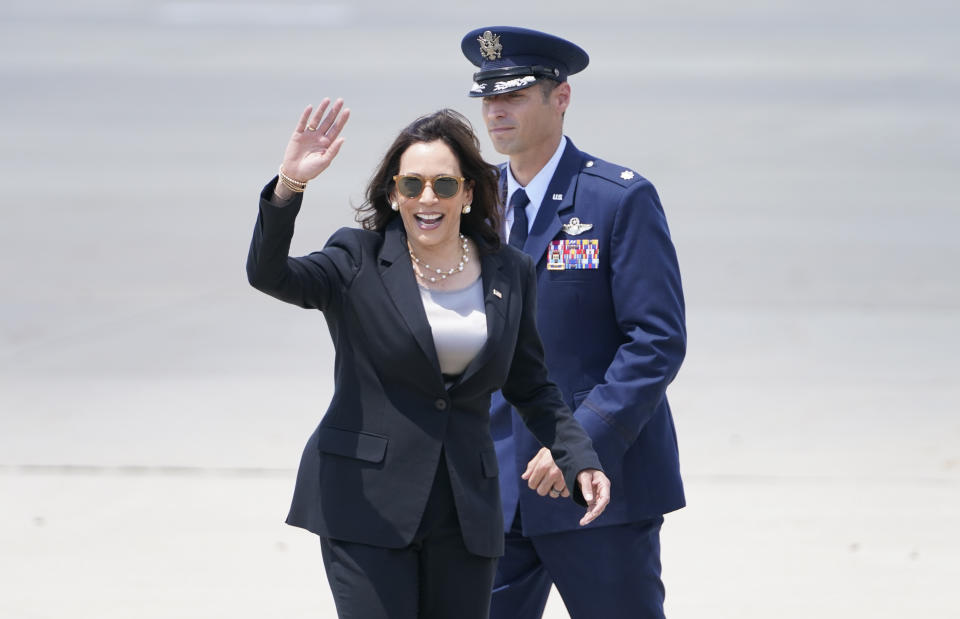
<point x="518" y="231"/>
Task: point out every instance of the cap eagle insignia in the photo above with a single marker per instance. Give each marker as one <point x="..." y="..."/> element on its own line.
<point x="490" y="47"/>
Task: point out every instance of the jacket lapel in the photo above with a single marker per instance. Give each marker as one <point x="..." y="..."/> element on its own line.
<point x="564" y="182"/>
<point x="401" y="284"/>
<point x="496" y="295"/>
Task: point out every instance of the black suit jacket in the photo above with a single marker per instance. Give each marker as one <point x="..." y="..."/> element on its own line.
<point x="367" y="470"/>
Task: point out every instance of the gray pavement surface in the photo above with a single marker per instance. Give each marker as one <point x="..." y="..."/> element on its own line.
<point x="153" y="406"/>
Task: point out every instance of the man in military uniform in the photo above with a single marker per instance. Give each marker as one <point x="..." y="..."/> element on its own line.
<point x="611" y="315"/>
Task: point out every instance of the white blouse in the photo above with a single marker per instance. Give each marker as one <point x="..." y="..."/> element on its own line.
<point x="458" y="321"/>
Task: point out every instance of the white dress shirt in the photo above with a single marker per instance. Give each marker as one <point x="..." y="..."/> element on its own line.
<point x="536" y="189"/>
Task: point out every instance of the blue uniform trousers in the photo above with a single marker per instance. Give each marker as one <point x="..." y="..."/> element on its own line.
<point x="608" y="572"/>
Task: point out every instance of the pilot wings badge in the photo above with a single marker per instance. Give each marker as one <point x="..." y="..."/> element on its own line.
<point x="574" y="227"/>
<point x="490" y="47"/>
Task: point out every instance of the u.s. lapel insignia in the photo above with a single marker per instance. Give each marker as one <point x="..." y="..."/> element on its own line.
<point x="490" y="47"/>
<point x="497" y="293"/>
<point x="574" y="227"/>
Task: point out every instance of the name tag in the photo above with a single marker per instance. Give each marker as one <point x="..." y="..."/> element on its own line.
<point x="568" y="254"/>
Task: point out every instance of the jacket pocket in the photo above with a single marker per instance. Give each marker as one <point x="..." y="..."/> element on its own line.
<point x="351" y="444"/>
<point x="488" y="462"/>
<point x="574" y="276"/>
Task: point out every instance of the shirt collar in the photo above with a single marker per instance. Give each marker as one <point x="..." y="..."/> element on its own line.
<point x="537" y="187"/>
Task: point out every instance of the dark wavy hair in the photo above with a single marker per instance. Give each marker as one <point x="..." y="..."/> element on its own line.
<point x="453" y="129"/>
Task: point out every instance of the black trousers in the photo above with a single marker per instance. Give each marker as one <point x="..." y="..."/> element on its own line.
<point x="435" y="577"/>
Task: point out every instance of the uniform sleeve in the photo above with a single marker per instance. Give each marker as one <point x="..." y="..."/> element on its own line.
<point x="540" y="402"/>
<point x="312" y="281"/>
<point x="649" y="309"/>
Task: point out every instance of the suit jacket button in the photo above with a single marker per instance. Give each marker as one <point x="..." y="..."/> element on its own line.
<point x="441" y="404"/>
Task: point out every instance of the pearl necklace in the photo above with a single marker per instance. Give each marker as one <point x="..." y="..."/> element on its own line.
<point x="464" y="258"/>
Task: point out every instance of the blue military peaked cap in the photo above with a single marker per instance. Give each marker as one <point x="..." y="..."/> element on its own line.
<point x="512" y="58"/>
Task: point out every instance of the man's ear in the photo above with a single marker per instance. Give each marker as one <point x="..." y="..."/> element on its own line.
<point x="561" y="96"/>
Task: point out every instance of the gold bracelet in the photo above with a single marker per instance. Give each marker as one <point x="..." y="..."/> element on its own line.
<point x="293" y="188"/>
<point x="291" y="183"/>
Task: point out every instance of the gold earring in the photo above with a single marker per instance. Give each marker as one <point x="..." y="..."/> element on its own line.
<point x="395" y="206"/>
<point x="466" y="209"/>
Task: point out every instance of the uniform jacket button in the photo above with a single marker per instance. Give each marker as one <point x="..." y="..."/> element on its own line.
<point x="441" y="404"/>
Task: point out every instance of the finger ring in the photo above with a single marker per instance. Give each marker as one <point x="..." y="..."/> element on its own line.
<point x="311" y="128"/>
<point x="554" y="492"/>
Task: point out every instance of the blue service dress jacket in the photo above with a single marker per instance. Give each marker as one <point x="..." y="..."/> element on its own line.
<point x="611" y="316"/>
<point x="367" y="470"/>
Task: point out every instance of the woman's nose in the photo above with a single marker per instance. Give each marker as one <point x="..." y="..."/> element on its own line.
<point x="428" y="196"/>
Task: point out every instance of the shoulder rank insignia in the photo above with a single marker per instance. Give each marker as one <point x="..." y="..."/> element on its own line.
<point x="574" y="227"/>
<point x="490" y="47"/>
<point x="626" y="175"/>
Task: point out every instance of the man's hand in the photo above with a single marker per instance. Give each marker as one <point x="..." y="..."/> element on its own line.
<point x="544" y="476"/>
<point x="596" y="491"/>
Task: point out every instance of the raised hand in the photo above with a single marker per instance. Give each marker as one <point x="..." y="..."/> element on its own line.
<point x="315" y="142"/>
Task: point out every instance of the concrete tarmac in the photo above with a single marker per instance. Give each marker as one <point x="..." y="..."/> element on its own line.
<point x="153" y="406"/>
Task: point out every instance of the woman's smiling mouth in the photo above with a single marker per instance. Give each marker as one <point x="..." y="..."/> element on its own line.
<point x="428" y="221"/>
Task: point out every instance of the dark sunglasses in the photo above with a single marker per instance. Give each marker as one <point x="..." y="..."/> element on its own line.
<point x="412" y="185"/>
